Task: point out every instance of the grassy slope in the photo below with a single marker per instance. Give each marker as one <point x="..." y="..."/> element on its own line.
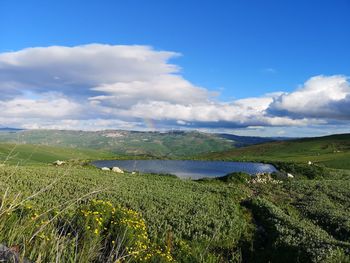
<point x="36" y="154"/>
<point x="191" y="211"/>
<point x="210" y="216"/>
<point x="332" y="151"/>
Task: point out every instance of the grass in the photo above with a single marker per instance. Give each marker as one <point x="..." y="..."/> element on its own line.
<point x="24" y="154"/>
<point x="331" y="151"/>
<point x="196" y="219"/>
<point x="302" y="220"/>
<point x="211" y="220"/>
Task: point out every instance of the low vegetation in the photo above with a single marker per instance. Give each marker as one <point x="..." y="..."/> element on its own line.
<point x="28" y="154"/>
<point x="78" y="213"/>
<point x="195" y="220"/>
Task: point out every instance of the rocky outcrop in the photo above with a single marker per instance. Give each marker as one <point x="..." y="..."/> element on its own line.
<point x="289" y="175"/>
<point x="263" y="178"/>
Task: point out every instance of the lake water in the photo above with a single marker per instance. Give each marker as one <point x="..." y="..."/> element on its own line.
<point x="187" y="169"/>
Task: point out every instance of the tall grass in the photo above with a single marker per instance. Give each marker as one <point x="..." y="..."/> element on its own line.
<point x="76" y="230"/>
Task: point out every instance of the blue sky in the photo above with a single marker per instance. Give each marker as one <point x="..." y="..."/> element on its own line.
<point x="241" y="49"/>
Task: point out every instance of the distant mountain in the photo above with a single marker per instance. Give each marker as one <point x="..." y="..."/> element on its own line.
<point x="7" y="129"/>
<point x="242" y="141"/>
<point x="172" y="144"/>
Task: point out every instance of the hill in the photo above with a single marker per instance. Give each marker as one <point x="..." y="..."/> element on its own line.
<point x="242" y="141"/>
<point x="332" y="151"/>
<point x="36" y="154"/>
<point x="173" y="144"/>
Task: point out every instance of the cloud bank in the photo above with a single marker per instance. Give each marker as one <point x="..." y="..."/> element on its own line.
<point x="100" y="86"/>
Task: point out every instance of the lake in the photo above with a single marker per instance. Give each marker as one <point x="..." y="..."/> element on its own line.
<point x="187" y="169"/>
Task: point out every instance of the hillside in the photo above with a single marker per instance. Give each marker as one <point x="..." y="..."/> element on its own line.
<point x="173" y="144"/>
<point x="167" y="219"/>
<point x="35" y="154"/>
<point x="332" y="151"/>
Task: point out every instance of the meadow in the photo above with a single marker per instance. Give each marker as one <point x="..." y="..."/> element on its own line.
<point x="78" y="213"/>
<point x="197" y="217"/>
<point x="330" y="151"/>
<point x="82" y="214"/>
<point x="29" y="154"/>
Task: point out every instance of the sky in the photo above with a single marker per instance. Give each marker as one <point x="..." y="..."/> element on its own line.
<point x="267" y="68"/>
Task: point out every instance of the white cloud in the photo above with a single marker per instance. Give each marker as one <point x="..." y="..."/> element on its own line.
<point x="46" y="107"/>
<point x="104" y="86"/>
<point x="169" y="88"/>
<point x="75" y="70"/>
<point x="325" y="97"/>
<point x="88" y="124"/>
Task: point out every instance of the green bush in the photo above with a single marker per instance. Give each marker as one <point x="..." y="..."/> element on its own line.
<point x="302" y="170"/>
<point x="235" y="178"/>
<point x="291" y="239"/>
<point x="96" y="232"/>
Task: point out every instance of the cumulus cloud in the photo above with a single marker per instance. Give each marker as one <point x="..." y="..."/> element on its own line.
<point x="50" y="108"/>
<point x="169" y="88"/>
<point x="320" y="97"/>
<point x="100" y="86"/>
<point x="75" y="70"/>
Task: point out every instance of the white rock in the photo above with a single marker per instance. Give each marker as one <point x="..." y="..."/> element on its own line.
<point x="309" y="163"/>
<point x="290" y="175"/>
<point x="58" y="162"/>
<point x="105" y="169"/>
<point x="117" y="170"/>
<point x="133" y="173"/>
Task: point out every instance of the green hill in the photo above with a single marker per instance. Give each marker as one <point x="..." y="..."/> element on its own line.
<point x="36" y="154"/>
<point x="175" y="144"/>
<point x="332" y="151"/>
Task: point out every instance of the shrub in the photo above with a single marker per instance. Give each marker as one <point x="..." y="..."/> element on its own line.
<point x="96" y="232"/>
<point x="291" y="239"/>
<point x="301" y="170"/>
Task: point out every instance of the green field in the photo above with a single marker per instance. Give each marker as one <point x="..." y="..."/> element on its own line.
<point x="332" y="151"/>
<point x="189" y="221"/>
<point x="196" y="214"/>
<point x="25" y="154"/>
